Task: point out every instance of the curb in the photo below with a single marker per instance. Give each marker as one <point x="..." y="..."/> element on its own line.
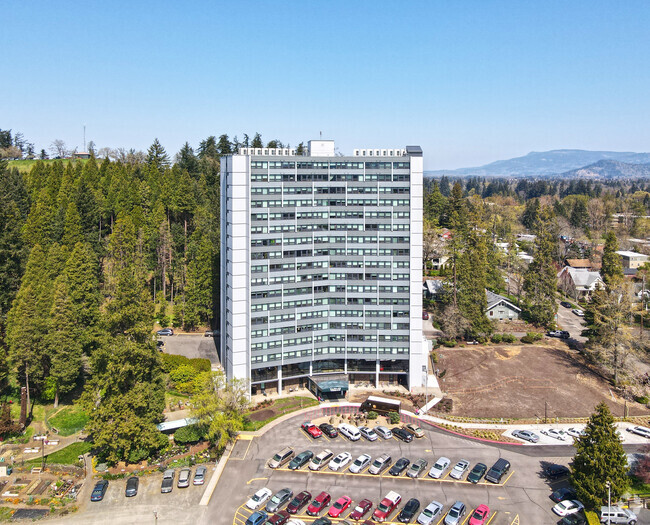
<point x="218" y="470"/>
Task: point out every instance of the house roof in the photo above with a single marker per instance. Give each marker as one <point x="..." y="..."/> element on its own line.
<point x="582" y="278"/>
<point x="433" y="286"/>
<point x="166" y="426"/>
<point x="630" y="255"/>
<point x="494" y="299"/>
<point x="579" y="263"/>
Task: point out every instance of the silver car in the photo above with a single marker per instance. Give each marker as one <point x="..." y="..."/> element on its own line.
<point x="199" y="475"/>
<point x="526" y="435"/>
<point x="184" y="477"/>
<point x="278" y="500"/>
<point x="430" y="513"/>
<point x="417" y="468"/>
<point x="368" y="433"/>
<point x="383" y="432"/>
<point x="360" y="463"/>
<point x="459" y="469"/>
<point x="439" y="468"/>
<point x="455" y="514"/>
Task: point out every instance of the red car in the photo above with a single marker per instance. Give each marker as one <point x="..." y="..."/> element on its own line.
<point x="339" y="506"/>
<point x="425" y="315"/>
<point x="361" y="509"/>
<point x="299" y="502"/>
<point x="321" y="501"/>
<point x="312" y="430"/>
<point x="280" y="518"/>
<point x="480" y="515"/>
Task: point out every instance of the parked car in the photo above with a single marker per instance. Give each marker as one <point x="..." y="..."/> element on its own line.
<point x="380" y="464"/>
<point x="280" y="518"/>
<point x="480" y="515"/>
<point x="279" y="499"/>
<point x="349" y="431"/>
<point x="312" y="430"/>
<point x="257" y="518"/>
<point x="165" y="331"/>
<point x="184" y="477"/>
<point x="575" y="432"/>
<point x="340" y="505"/>
<point x="282" y="457"/>
<point x="99" y="490"/>
<point x="415" y="430"/>
<point x="329" y="430"/>
<point x="566" y="304"/>
<point x="368" y="433"/>
<point x="563" y="494"/>
<point x="258" y="499"/>
<point x="459" y="469"/>
<point x="430" y="513"/>
<point x="168" y="481"/>
<point x="554" y="433"/>
<point x="640" y="431"/>
<point x="361" y="509"/>
<point x="322" y="459"/>
<point x="340" y="461"/>
<point x="425" y="315"/>
<point x="562" y="334"/>
<point x="455" y="514"/>
<point x="199" y="475"/>
<point x="556" y="471"/>
<point x="575" y="519"/>
<point x="498" y="470"/>
<point x="402" y="434"/>
<point x="322" y="521"/>
<point x="409" y="510"/>
<point x="320" y="502"/>
<point x="132" y="486"/>
<point x="568" y="506"/>
<point x="477" y="473"/>
<point x="383" y="432"/>
<point x="417" y="468"/>
<point x="295" y="521"/>
<point x="400" y="466"/>
<point x="616" y="514"/>
<point x="211" y="333"/>
<point x="387" y="506"/>
<point x="526" y="435"/>
<point x="578" y="312"/>
<point x="301" y="460"/>
<point x="439" y="467"/>
<point x="298" y="502"/>
<point x="360" y="463"/>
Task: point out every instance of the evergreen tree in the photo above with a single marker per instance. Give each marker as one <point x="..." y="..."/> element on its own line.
<point x="612" y="268"/>
<point x="445" y="187"/>
<point x="257" y="141"/>
<point x="72" y="233"/>
<point x="198" y="305"/>
<point x="300" y="150"/>
<point x="531" y="214"/>
<point x="186" y="160"/>
<point x="208" y="148"/>
<point x="224" y="146"/>
<point x="540" y="279"/>
<point x="599" y="459"/>
<point x="157" y="157"/>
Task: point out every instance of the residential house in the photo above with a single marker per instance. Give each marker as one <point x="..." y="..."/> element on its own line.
<point x="432" y="288"/>
<point x="579" y="283"/>
<point x="632" y="260"/>
<point x="500" y="308"/>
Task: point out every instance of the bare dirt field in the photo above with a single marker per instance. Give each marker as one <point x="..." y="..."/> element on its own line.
<point x="515" y="380"/>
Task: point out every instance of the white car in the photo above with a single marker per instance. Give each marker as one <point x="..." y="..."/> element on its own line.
<point x="360" y="463"/>
<point x="439" y="468"/>
<point x="340" y="461"/>
<point x="259" y="498"/>
<point x="556" y="434"/>
<point x="459" y="469"/>
<point x="575" y="432"/>
<point x="568" y="506"/>
<point x="430" y="513"/>
<point x="578" y="312"/>
<point x="295" y="521"/>
<point x="640" y="431"/>
<point x="383" y="432"/>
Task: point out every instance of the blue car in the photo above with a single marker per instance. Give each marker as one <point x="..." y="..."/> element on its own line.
<point x="99" y="490"/>
<point x="257" y="518"/>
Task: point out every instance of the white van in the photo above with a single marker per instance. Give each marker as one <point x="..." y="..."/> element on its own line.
<point x="617" y="515"/>
<point x="350" y="431"/>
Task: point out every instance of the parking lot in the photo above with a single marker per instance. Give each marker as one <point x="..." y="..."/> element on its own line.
<point x="522" y="496"/>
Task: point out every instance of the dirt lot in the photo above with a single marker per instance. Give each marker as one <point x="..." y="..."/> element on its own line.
<point x="515" y="381"/>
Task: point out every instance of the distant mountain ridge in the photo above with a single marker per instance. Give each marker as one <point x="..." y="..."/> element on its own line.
<point x="609" y="169"/>
<point x="554" y="162"/>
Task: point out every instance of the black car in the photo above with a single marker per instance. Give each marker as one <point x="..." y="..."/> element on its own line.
<point x="99" y="490"/>
<point x="399" y="466"/>
<point x="563" y="494"/>
<point x="322" y="521"/>
<point x="556" y="471"/>
<point x="566" y="304"/>
<point x="132" y="486"/>
<point x="402" y="434"/>
<point x="477" y="473"/>
<point x="409" y="510"/>
<point x="574" y="519"/>
<point x="301" y="460"/>
<point x="328" y="430"/>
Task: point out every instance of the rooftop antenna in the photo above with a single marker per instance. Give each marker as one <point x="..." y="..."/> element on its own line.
<point x="84" y="137"/>
<point x="321" y="135"/>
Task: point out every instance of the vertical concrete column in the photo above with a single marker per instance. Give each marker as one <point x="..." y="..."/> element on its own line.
<point x="279" y="379"/>
<point x="377" y="374"/>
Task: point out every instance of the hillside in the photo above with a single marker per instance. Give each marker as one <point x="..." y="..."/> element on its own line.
<point x="609" y="169"/>
<point x="546" y="163"/>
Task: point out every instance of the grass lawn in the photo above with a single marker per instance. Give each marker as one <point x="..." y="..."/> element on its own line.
<point x="278" y="408"/>
<point x="66" y="456"/>
<point x="68" y="420"/>
<point x="638" y="487"/>
<point x="26" y="164"/>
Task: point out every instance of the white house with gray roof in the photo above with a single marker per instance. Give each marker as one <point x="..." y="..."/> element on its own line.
<point x="579" y="283"/>
<point x="500" y="308"/>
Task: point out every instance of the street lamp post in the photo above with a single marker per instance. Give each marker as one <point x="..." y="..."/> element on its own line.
<point x="609" y="501"/>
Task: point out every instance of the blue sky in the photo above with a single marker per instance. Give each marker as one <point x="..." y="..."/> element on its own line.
<point x="469" y="81"/>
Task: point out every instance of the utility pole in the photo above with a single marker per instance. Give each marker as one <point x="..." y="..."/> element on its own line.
<point x="609" y="502"/>
<point x="545" y="411"/>
<point x="642" y="305"/>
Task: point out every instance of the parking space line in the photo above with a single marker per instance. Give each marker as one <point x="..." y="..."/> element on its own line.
<point x="492" y="517"/>
<point x="506" y="480"/>
<point x="465" y="520"/>
<point x="244" y="456"/>
<point x="441" y="518"/>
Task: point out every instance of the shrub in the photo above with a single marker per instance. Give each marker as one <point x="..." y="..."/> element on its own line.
<point x="496" y="338"/>
<point x="435" y="357"/>
<point x="450" y="343"/>
<point x="508" y="338"/>
<point x="644" y="400"/>
<point x="372" y="415"/>
<point x="188" y="434"/>
<point x="393" y="417"/>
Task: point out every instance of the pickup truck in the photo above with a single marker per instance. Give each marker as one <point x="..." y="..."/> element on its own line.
<point x="168" y="481"/>
<point x="387" y="506"/>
